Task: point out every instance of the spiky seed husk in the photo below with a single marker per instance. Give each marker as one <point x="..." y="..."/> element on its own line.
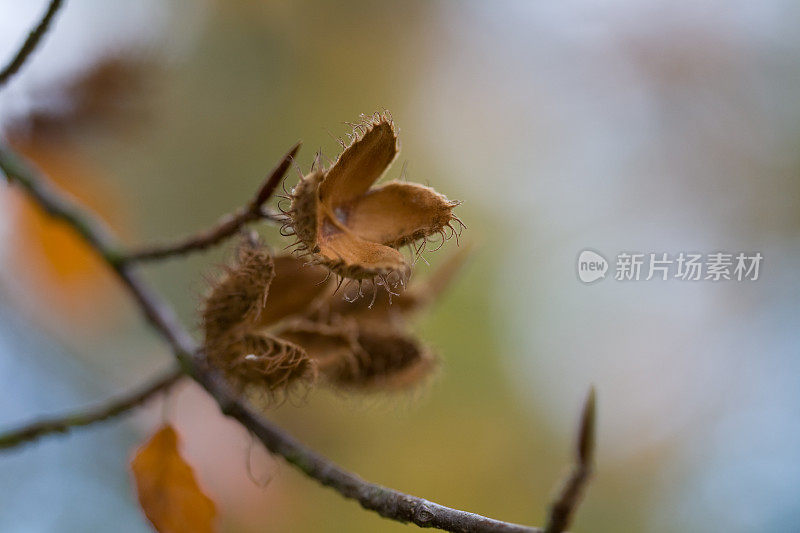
<point x="239" y="297"/>
<point x="392" y="360"/>
<point x="264" y="363"/>
<point x="362" y="356"/>
<point x="355" y="231"/>
<point x="252" y="360"/>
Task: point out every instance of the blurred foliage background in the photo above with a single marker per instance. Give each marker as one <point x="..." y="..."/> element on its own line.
<point x="646" y="126"/>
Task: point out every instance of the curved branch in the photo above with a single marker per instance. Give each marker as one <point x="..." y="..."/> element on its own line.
<point x="84" y="417"/>
<point x="386" y="502"/>
<point x="227" y="225"/>
<point x="30" y="43"/>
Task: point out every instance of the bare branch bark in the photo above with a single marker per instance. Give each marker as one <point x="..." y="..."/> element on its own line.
<point x="227" y="225"/>
<point x="30" y="43"/>
<point x="386" y="502"/>
<point x="563" y="508"/>
<point x="84" y="417"/>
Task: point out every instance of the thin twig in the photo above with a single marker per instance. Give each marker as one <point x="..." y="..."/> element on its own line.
<point x="386" y="502"/>
<point x="227" y="225"/>
<point x="562" y="509"/>
<point x="84" y="417"/>
<point x="30" y="43"/>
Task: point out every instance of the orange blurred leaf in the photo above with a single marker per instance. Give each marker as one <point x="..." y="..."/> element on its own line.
<point x="61" y="276"/>
<point x="168" y="490"/>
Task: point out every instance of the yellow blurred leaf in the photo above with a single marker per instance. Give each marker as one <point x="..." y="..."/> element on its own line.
<point x="168" y="491"/>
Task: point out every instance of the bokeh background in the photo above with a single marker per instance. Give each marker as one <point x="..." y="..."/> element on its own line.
<point x="656" y="126"/>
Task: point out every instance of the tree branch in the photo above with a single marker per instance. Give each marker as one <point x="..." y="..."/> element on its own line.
<point x="99" y="237"/>
<point x="227" y="225"/>
<point x="386" y="502"/>
<point x="562" y="509"/>
<point x="30" y="43"/>
<point x="84" y="417"/>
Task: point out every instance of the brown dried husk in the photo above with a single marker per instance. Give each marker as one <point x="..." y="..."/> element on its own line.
<point x="258" y="362"/>
<point x="239" y="297"/>
<point x="362" y="344"/>
<point x="332" y="346"/>
<point x="237" y="308"/>
<point x="391" y="360"/>
<point x="361" y="355"/>
<point x="354" y="230"/>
